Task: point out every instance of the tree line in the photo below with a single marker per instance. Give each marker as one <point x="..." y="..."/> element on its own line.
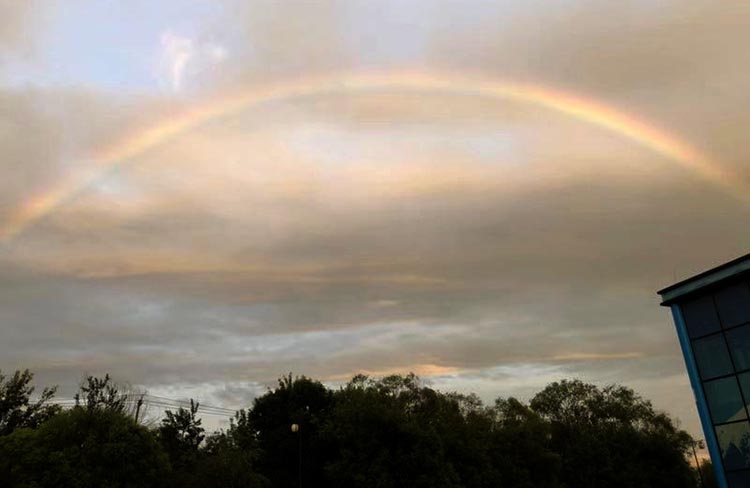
<point x="370" y="433"/>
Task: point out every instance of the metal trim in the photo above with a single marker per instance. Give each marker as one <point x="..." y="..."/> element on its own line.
<point x="706" y="279"/>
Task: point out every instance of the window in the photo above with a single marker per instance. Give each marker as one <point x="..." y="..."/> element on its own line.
<point x="712" y="356"/>
<point x="744" y="380"/>
<point x="700" y="316"/>
<point x="724" y="400"/>
<point x="740" y="479"/>
<point x="734" y="304"/>
<point x="739" y="344"/>
<point x="734" y="443"/>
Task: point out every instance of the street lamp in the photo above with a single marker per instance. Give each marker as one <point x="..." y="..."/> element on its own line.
<point x="700" y="445"/>
<point x="296" y="430"/>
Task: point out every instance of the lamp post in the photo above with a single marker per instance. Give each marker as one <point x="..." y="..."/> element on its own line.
<point x="296" y="430"/>
<point x="697" y="465"/>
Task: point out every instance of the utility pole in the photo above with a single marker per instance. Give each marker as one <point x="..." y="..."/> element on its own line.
<point x="138" y="408"/>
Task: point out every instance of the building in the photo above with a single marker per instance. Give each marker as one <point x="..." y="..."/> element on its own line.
<point x="711" y="312"/>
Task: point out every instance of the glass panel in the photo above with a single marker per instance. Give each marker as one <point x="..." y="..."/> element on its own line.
<point x="740" y="479"/>
<point x="712" y="356"/>
<point x="734" y="304"/>
<point x="745" y="386"/>
<point x="724" y="400"/>
<point x="734" y="443"/>
<point x="700" y="316"/>
<point x="739" y="344"/>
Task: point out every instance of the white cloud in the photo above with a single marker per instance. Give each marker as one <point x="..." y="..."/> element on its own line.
<point x="180" y="56"/>
<point x="175" y="54"/>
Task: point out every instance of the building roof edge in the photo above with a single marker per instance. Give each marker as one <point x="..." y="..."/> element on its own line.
<point x="707" y="278"/>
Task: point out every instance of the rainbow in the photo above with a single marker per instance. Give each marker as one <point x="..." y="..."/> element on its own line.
<point x="586" y="110"/>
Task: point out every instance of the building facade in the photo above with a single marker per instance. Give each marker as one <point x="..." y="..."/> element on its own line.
<point x="711" y="312"/>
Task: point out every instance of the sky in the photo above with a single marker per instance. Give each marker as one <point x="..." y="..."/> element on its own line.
<point x="199" y="197"/>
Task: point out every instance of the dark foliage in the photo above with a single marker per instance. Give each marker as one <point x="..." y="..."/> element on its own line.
<point x="612" y="437"/>
<point x="16" y="408"/>
<point x="100" y="394"/>
<point x="706" y="475"/>
<point x="521" y="444"/>
<point x="83" y="448"/>
<point x="222" y="463"/>
<point x="224" y="460"/>
<point x="181" y="434"/>
<point x="389" y="433"/>
<point x="301" y="401"/>
<point x="384" y="438"/>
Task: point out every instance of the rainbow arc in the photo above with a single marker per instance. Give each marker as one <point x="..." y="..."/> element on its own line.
<point x="584" y="109"/>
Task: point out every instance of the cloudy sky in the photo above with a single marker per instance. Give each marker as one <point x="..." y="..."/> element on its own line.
<point x="489" y="243"/>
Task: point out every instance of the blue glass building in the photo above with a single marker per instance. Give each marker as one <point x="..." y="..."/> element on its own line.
<point x="711" y="312"/>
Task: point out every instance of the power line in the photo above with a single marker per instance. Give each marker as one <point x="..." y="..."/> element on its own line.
<point x="187" y="403"/>
<point x="202" y="412"/>
<point x="168" y="406"/>
<point x="171" y="402"/>
<point x="165" y="403"/>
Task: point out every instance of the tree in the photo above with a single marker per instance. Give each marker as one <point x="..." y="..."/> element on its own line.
<point x="100" y="393"/>
<point x="612" y="437"/>
<point x="300" y="401"/>
<point x="398" y="432"/>
<point x="706" y="474"/>
<point x="221" y="460"/>
<point x="242" y="433"/>
<point x="84" y="448"/>
<point x="393" y="433"/>
<point x="223" y="463"/>
<point x="521" y="446"/>
<point x="17" y="410"/>
<point x="181" y="435"/>
<point x="182" y="430"/>
<point x="389" y="433"/>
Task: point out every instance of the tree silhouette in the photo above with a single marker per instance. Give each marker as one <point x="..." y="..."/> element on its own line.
<point x="612" y="437"/>
<point x="84" y="448"/>
<point x="100" y="393"/>
<point x="392" y="432"/>
<point x="16" y="408"/>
